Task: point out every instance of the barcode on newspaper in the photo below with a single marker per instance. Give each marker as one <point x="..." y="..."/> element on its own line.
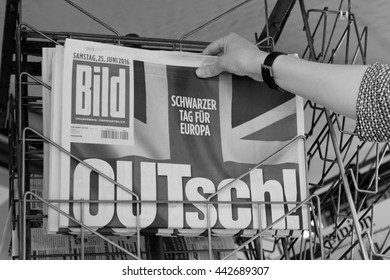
<point x="114" y="134"/>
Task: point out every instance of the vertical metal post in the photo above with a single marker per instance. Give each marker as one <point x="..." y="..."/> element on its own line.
<point x="9" y="31"/>
<point x="260" y="241"/>
<point x="335" y="146"/>
<point x="267" y="21"/>
<point x="307" y="29"/>
<point x="348" y="33"/>
<point x="284" y="241"/>
<point x="82" y="235"/>
<point x="347" y="189"/>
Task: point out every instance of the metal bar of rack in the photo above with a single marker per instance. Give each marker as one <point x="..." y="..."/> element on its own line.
<point x="340" y="153"/>
<point x="339" y="196"/>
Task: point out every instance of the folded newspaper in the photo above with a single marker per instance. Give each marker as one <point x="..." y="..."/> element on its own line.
<point x="66" y="247"/>
<point x="157" y="149"/>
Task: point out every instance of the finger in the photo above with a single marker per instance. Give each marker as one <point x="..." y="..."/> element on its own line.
<point x="215" y="47"/>
<point x="208" y="71"/>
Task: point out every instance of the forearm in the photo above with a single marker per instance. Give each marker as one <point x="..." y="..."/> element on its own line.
<point x="333" y="86"/>
<point x="359" y="92"/>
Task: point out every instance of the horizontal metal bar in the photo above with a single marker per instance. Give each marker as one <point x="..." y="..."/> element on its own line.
<point x="206" y="202"/>
<point x="144" y="42"/>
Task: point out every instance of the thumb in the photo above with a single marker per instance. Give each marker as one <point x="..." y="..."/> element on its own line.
<point x="209" y="70"/>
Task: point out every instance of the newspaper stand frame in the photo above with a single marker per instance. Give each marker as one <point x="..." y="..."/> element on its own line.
<point x="26" y="147"/>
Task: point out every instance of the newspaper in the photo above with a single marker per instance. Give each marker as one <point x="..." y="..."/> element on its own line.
<point x="49" y="246"/>
<point x="197" y="248"/>
<point x="66" y="247"/>
<point x="170" y="145"/>
<point x="47" y="62"/>
<point x="52" y="65"/>
<point x="36" y="187"/>
<point x="339" y="240"/>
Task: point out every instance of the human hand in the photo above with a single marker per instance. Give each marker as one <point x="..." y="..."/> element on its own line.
<point x="235" y="55"/>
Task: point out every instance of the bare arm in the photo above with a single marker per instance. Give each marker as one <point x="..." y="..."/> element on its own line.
<point x="333" y="86"/>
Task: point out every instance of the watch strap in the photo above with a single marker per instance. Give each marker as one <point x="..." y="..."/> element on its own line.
<point x="266" y="69"/>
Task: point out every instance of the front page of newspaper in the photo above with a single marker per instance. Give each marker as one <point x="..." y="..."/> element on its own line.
<point x="144" y="120"/>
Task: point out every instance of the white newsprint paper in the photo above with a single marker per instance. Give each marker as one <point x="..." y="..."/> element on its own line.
<point x="172" y="151"/>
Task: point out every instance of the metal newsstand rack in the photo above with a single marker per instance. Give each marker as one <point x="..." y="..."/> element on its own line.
<point x="353" y="174"/>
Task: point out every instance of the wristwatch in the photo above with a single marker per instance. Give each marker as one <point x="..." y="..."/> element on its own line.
<point x="266" y="69"/>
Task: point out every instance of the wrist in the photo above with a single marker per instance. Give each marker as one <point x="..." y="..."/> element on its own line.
<point x="255" y="70"/>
